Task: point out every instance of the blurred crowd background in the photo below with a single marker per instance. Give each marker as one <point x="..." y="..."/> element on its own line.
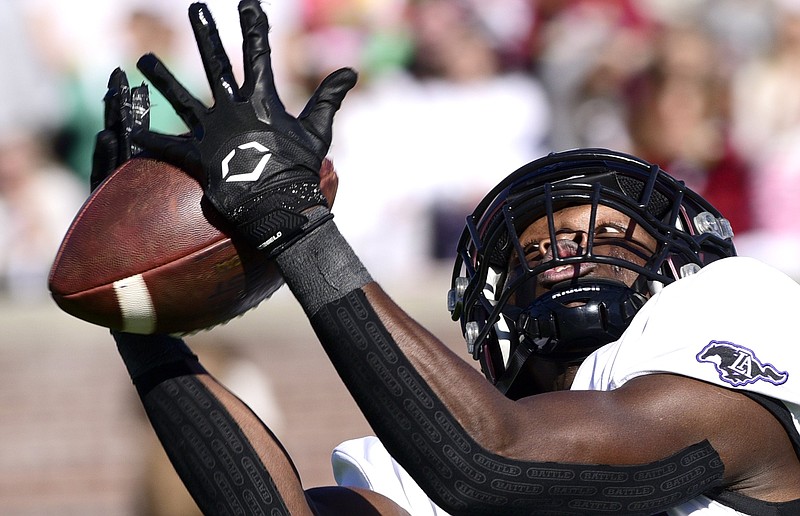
<point x="452" y="96"/>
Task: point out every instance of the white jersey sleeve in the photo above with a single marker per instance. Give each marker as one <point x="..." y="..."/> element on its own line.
<point x="728" y="325"/>
<point x="365" y="463"/>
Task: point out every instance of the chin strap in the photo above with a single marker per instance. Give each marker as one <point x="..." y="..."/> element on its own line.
<point x="516" y="363"/>
<point x="569" y="323"/>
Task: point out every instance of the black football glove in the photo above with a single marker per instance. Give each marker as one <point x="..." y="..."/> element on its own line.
<point x="125" y="108"/>
<point x="259" y="166"/>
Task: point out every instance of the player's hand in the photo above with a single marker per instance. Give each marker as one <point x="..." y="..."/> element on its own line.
<point x="259" y="166"/>
<point x="125" y="108"/>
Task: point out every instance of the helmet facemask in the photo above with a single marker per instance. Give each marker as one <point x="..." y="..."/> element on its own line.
<point x="516" y="301"/>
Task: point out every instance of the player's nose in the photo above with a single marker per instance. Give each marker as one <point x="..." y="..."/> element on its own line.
<point x="566" y="245"/>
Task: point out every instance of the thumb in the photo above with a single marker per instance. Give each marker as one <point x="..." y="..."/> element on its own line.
<point x="317" y="116"/>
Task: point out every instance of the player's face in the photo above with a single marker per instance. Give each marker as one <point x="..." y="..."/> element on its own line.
<point x="615" y="235"/>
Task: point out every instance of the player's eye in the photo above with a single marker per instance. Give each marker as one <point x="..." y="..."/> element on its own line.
<point x="531" y="248"/>
<point x="610" y="230"/>
<point x="533" y="253"/>
<point x="614" y="233"/>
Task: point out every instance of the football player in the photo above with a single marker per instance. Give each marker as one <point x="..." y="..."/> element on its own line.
<point x="635" y="365"/>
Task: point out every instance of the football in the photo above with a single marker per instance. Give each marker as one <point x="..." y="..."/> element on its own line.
<point x="145" y="254"/>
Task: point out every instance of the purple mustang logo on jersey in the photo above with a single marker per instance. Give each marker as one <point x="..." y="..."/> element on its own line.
<point x="738" y="365"/>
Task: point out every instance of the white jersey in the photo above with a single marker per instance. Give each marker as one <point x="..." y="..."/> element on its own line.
<point x="725" y="325"/>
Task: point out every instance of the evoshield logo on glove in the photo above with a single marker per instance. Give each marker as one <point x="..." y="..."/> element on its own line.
<point x="257" y="170"/>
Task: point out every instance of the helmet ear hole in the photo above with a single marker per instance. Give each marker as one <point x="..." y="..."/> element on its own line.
<point x="501" y="252"/>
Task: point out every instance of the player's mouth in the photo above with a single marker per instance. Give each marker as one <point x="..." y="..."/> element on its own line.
<point x="561" y="273"/>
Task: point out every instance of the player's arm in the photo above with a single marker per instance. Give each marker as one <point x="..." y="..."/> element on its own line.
<point x="228" y="459"/>
<point x="470" y="448"/>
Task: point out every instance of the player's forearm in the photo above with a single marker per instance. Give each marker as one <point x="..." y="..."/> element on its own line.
<point x="225" y="456"/>
<point x="323" y="269"/>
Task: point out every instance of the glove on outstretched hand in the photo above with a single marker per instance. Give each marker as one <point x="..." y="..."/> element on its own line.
<point x="125" y="109"/>
<point x="259" y="166"/>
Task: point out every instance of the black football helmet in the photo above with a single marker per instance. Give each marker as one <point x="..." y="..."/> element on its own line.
<point x="504" y="325"/>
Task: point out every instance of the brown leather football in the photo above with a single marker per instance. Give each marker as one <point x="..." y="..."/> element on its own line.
<point x="145" y="254"/>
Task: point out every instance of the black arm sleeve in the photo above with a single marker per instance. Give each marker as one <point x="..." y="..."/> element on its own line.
<point x="460" y="475"/>
<point x="209" y="451"/>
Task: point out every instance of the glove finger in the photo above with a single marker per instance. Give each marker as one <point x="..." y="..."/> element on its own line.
<point x="104" y="159"/>
<point x="117" y="113"/>
<point x="177" y="150"/>
<point x="188" y="108"/>
<point x="258" y="75"/>
<point x="215" y="60"/>
<point x="317" y="116"/>
<point x="116" y="99"/>
<point x="140" y="112"/>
